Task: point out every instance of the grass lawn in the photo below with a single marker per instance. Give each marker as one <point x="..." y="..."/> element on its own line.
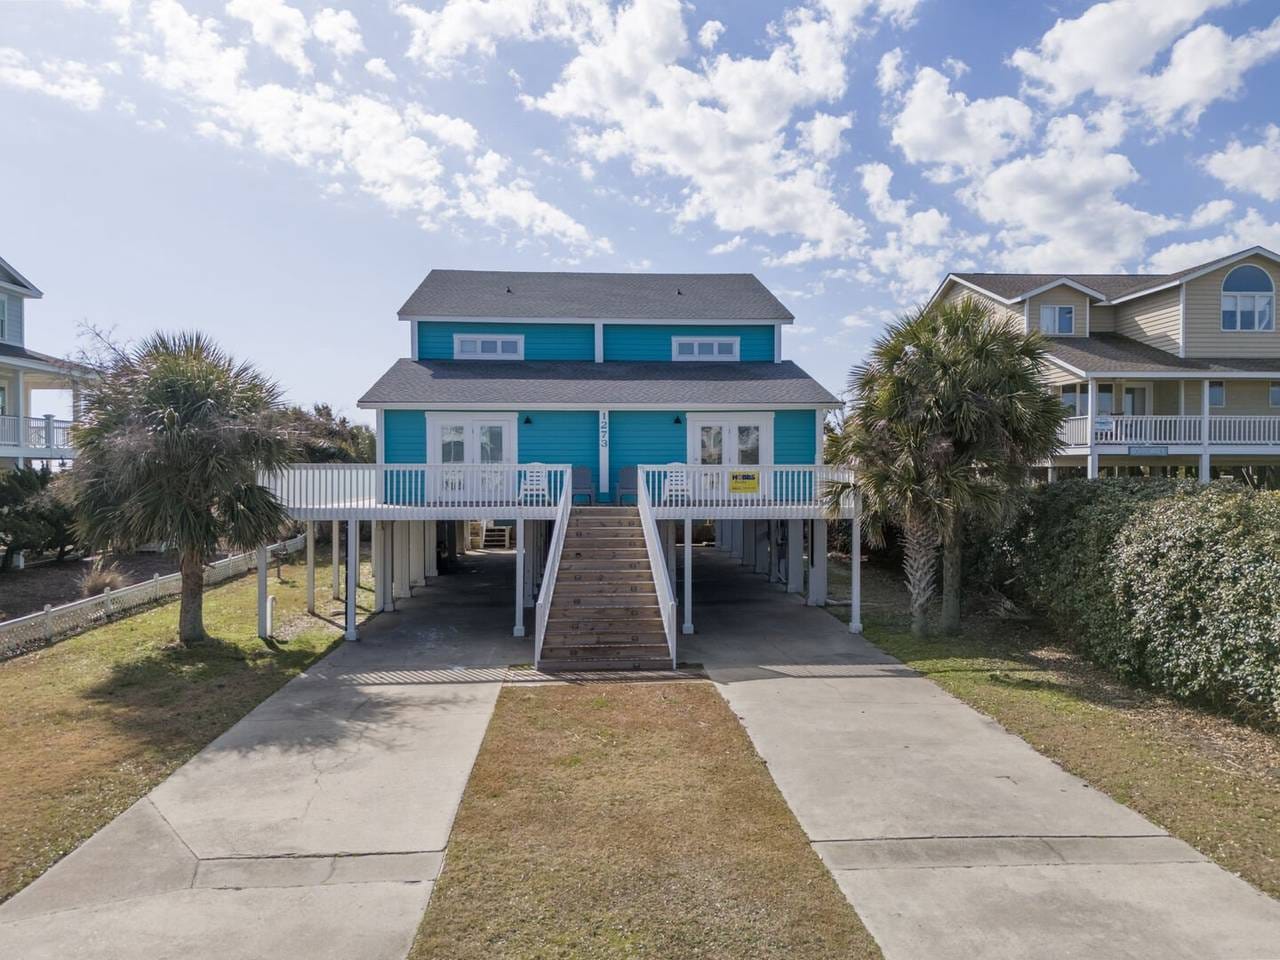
<point x="91" y="724"/>
<point x="1212" y="782"/>
<point x="629" y="820"/>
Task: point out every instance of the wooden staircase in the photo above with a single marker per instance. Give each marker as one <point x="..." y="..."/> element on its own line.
<point x="604" y="610"/>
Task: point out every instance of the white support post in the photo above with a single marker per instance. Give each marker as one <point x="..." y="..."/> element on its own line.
<point x="433" y="565"/>
<point x="1205" y="473"/>
<point x="775" y="534"/>
<point x="855" y="569"/>
<point x="1091" y="470"/>
<point x="337" y="567"/>
<point x="795" y="556"/>
<point x="264" y="561"/>
<point x="818" y="565"/>
<point x="387" y="544"/>
<point x="311" y="566"/>
<point x="518" y="631"/>
<point x="688" y="576"/>
<point x="400" y="589"/>
<point x="1052" y="473"/>
<point x="735" y="539"/>
<point x="375" y="561"/>
<point x="417" y="565"/>
<point x="460" y="536"/>
<point x="668" y="533"/>
<point x="353" y="575"/>
<point x="21" y="411"/>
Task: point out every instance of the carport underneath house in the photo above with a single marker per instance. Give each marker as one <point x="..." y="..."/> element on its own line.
<point x="772" y="518"/>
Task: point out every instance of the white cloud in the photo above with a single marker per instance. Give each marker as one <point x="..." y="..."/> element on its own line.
<point x="395" y="155"/>
<point x="66" y="80"/>
<point x="1059" y="209"/>
<point x="1207" y="214"/>
<point x="729" y="245"/>
<point x="822" y="135"/>
<point x="1111" y="48"/>
<point x="441" y="38"/>
<point x="339" y="29"/>
<point x="709" y="34"/>
<point x="277" y="26"/>
<point x="1250" y="169"/>
<point x="378" y="68"/>
<point x="1253" y="229"/>
<point x="954" y="135"/>
<point x="890" y="76"/>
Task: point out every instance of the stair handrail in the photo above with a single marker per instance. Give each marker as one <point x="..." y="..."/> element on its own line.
<point x="543" y="610"/>
<point x="658" y="565"/>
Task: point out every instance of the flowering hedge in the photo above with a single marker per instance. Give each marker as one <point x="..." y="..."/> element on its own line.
<point x="1168" y="583"/>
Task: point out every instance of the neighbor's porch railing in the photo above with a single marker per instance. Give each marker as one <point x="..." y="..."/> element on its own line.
<point x="658" y="567"/>
<point x="1173" y="430"/>
<point x="43" y="433"/>
<point x="725" y="492"/>
<point x="543" y="610"/>
<point x="375" y="491"/>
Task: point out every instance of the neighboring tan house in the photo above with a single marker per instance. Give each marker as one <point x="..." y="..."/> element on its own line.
<point x="1173" y="374"/>
<point x="28" y="432"/>
<point x="597" y="413"/>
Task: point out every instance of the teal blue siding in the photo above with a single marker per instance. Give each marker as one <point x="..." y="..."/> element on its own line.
<point x="643" y="341"/>
<point x="561" y="436"/>
<point x="794" y="436"/>
<point x="404" y="436"/>
<point x="542" y="341"/>
<point x="643" y="436"/>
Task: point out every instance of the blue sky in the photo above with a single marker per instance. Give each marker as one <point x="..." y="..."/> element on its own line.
<point x="282" y="173"/>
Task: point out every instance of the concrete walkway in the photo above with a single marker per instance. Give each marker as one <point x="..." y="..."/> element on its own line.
<point x="315" y="827"/>
<point x="952" y="838"/>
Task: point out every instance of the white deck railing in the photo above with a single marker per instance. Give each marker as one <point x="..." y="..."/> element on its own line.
<point x="554" y="551"/>
<point x="41" y="433"/>
<point x="658" y="567"/>
<point x="35" y="629"/>
<point x="1173" y="430"/>
<point x="375" y="491"/>
<point x="678" y="490"/>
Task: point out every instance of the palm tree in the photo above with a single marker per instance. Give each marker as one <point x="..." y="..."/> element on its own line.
<point x="171" y="442"/>
<point x="949" y="411"/>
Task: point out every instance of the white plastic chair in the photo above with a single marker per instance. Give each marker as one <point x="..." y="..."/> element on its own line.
<point x="675" y="484"/>
<point x="534" y="487"/>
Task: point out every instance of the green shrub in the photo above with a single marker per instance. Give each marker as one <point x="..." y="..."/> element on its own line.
<point x="1166" y="582"/>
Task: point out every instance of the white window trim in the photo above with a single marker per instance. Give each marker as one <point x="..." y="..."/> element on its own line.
<point x="1081" y="393"/>
<point x="1271" y="386"/>
<point x="716" y="356"/>
<point x="498" y="337"/>
<point x="470" y="421"/>
<point x="694" y="422"/>
<point x="1208" y="385"/>
<point x="1055" y="307"/>
<point x="1255" y="296"/>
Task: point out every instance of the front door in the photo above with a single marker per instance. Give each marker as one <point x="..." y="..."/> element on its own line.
<point x="729" y="444"/>
<point x="464" y="446"/>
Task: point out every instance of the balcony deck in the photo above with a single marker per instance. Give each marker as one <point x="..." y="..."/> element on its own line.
<point x="1181" y="434"/>
<point x="36" y="437"/>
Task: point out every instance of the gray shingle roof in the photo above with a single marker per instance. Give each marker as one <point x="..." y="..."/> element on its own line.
<point x="640" y="296"/>
<point x="1113" y="353"/>
<point x="22" y="353"/>
<point x="1011" y="286"/>
<point x="679" y="385"/>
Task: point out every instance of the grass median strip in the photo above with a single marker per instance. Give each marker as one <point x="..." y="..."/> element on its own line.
<point x="91" y="724"/>
<point x="629" y="820"/>
<point x="1208" y="780"/>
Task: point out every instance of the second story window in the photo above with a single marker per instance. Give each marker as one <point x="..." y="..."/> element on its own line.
<point x="1075" y="397"/>
<point x="1217" y="393"/>
<point x="704" y="348"/>
<point x="1057" y="321"/>
<point x="486" y="347"/>
<point x="1248" y="300"/>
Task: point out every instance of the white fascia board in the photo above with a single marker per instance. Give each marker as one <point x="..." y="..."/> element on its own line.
<point x="1060" y="282"/>
<point x="725" y="321"/>
<point x="982" y="290"/>
<point x="61" y="370"/>
<point x="1063" y="365"/>
<point x="674" y="405"/>
<point x="24" y="292"/>
<point x="1184" y="375"/>
<point x="1200" y="272"/>
<point x="27" y="288"/>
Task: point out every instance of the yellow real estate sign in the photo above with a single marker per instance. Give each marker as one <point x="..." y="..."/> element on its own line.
<point x="744" y="481"/>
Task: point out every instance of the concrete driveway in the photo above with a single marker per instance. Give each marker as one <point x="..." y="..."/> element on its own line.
<point x="316" y="826"/>
<point x="952" y="838"/>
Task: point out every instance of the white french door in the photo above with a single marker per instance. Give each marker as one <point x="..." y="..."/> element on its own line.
<point x="729" y="440"/>
<point x="464" y="444"/>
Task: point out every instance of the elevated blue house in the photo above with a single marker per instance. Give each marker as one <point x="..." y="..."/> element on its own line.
<point x="601" y="410"/>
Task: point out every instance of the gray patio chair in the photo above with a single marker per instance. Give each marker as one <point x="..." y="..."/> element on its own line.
<point x="627" y="485"/>
<point x="582" y="485"/>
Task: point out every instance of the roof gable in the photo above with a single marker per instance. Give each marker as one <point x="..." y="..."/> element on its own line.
<point x="15" y="281"/>
<point x="594" y="296"/>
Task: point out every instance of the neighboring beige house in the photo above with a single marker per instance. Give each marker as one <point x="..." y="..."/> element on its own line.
<point x="28" y="432"/>
<point x="1165" y="374"/>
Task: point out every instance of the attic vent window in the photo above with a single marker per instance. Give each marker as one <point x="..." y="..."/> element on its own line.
<point x="705" y="348"/>
<point x="487" y="347"/>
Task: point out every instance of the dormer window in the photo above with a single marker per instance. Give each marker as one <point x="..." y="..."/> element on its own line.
<point x="704" y="348"/>
<point x="486" y="347"/>
<point x="1057" y="321"/>
<point x="1248" y="300"/>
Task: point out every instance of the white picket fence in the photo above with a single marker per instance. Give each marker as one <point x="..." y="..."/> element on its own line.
<point x="37" y="629"/>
